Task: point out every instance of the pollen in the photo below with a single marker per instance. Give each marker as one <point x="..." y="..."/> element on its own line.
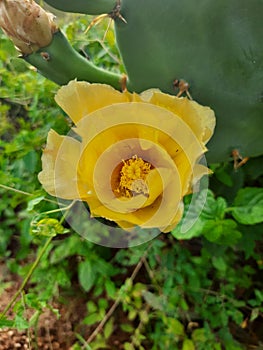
<point x="132" y="177"/>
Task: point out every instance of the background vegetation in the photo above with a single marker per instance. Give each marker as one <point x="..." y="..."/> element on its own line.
<point x="200" y="290"/>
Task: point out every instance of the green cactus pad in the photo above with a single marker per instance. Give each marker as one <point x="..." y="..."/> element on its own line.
<point x="216" y="46"/>
<point x="60" y="63"/>
<point x="92" y="7"/>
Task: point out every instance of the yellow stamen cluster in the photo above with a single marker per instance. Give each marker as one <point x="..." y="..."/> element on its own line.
<point x="132" y="177"/>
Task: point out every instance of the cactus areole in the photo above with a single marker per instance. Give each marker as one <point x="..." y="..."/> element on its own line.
<point x="216" y="46"/>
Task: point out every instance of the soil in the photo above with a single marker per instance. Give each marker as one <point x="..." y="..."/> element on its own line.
<point x="52" y="333"/>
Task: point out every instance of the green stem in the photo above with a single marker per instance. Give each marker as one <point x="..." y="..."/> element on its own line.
<point x="26" y="193"/>
<point x="60" y="209"/>
<point x="27" y="278"/>
<point x="91" y="7"/>
<point x="60" y="63"/>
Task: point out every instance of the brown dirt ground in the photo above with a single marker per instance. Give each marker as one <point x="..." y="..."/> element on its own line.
<point x="52" y="333"/>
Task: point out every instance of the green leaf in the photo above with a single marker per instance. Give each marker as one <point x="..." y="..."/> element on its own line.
<point x="91" y="306"/>
<point x="110" y="288"/>
<point x="199" y="335"/>
<point x="33" y="202"/>
<point x="87" y="275"/>
<point x="108" y="329"/>
<point x="128" y="346"/>
<point x="259" y="295"/>
<point x="21" y="323"/>
<point x="219" y="263"/>
<point x="221" y="231"/>
<point x="188" y="345"/>
<point x="91" y="319"/>
<point x="205" y="216"/>
<point x="6" y="323"/>
<point x="248" y="206"/>
<point x="68" y="247"/>
<point x="250" y="235"/>
<point x="126" y="327"/>
<point x="144" y="316"/>
<point x="174" y="326"/>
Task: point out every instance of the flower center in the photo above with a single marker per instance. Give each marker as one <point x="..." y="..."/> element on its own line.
<point x="132" y="177"/>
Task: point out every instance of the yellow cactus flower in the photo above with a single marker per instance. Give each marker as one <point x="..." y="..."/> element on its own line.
<point x="135" y="156"/>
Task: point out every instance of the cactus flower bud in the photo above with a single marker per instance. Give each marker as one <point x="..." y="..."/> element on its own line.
<point x="27" y="24"/>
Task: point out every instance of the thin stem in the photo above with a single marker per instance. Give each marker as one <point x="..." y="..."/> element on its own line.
<point x="26" y="193"/>
<point x="59" y="209"/>
<point x="15" y="190"/>
<point x="63" y="217"/>
<point x="27" y="278"/>
<point x="26" y="313"/>
<point x="105" y="319"/>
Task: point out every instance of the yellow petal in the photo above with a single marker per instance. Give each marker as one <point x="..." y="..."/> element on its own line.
<point x="175" y="219"/>
<point x="139" y="120"/>
<point x="80" y="98"/>
<point x="201" y="119"/>
<point x="207" y="120"/>
<point x="59" y="164"/>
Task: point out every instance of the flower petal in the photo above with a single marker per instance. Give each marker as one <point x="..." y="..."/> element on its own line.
<point x="59" y="164"/>
<point x="201" y="119"/>
<point x="80" y="98"/>
<point x="143" y="121"/>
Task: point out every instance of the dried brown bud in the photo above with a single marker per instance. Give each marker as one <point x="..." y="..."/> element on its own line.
<point x="27" y="24"/>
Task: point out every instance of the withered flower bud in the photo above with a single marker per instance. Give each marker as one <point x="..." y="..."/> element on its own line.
<point x="27" y="24"/>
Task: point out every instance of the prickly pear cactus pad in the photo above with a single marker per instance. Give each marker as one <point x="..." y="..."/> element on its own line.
<point x="92" y="7"/>
<point x="216" y="46"/>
